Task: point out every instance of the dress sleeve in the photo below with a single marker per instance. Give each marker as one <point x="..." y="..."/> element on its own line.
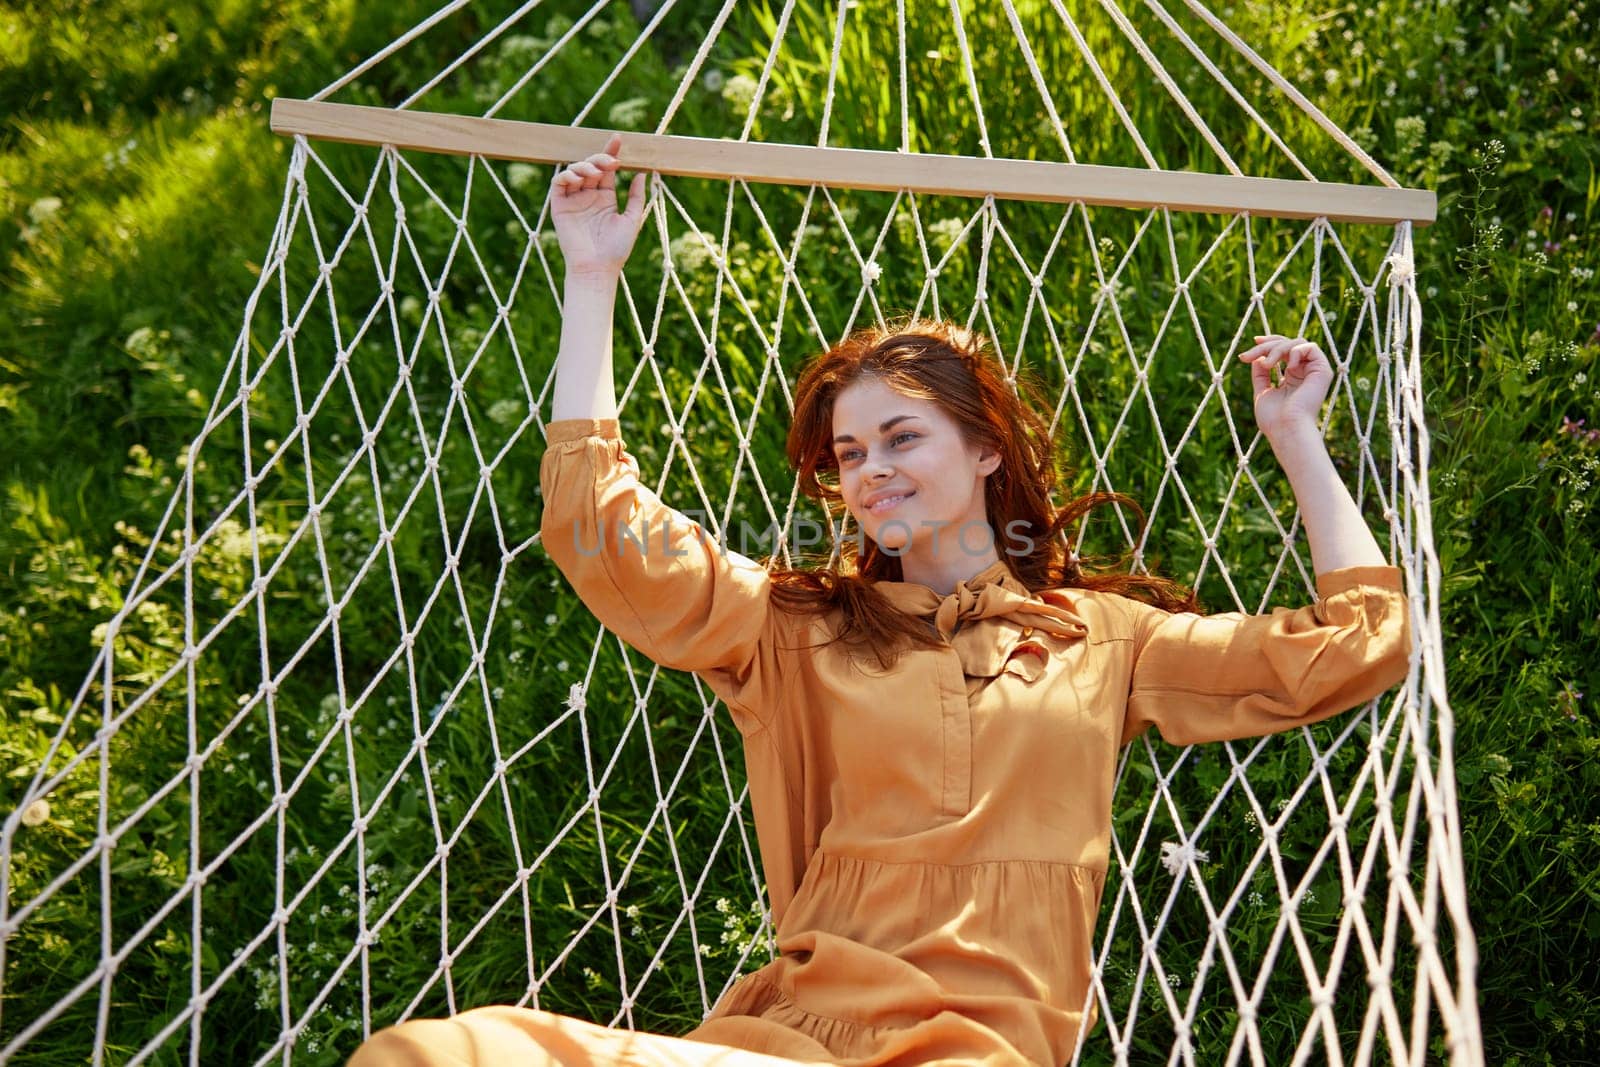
<point x="1217" y="677"/>
<point x="682" y="599"/>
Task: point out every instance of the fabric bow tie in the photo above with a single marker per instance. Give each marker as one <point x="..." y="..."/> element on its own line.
<point x="991" y="593"/>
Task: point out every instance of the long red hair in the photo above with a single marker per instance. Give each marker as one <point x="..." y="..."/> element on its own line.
<point x="947" y="364"/>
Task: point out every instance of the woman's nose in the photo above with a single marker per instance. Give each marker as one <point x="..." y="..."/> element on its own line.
<point x="877" y="467"/>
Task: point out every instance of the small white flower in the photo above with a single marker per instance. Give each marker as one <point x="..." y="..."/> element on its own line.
<point x="505" y="411"/>
<point x="37" y="813"/>
<point x="712" y="80"/>
<point x="1176" y="857"/>
<point x="945" y="229"/>
<point x="141" y="342"/>
<point x="518" y="175"/>
<point x="740" y="91"/>
<point x="690" y="251"/>
<point x="628" y="114"/>
<point x="43" y="208"/>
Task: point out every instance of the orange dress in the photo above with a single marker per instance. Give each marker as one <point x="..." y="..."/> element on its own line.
<point x="935" y="838"/>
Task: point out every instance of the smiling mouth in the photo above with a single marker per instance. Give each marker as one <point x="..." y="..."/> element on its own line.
<point x="892" y="502"/>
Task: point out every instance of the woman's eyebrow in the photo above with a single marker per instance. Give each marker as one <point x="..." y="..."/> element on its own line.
<point x="883" y="427"/>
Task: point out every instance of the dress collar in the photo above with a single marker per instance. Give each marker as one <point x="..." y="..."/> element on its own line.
<point x="996" y="573"/>
<point x="993" y="591"/>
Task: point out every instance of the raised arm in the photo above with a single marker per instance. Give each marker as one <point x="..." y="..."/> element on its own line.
<point x="1216" y="677"/>
<point x="595" y="243"/>
<point x="1287" y="412"/>
<point x="649" y="573"/>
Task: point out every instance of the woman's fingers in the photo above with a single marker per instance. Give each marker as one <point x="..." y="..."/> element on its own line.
<point x="1260" y="376"/>
<point x="1275" y="347"/>
<point x="1264" y="343"/>
<point x="1291" y="354"/>
<point x="597" y="171"/>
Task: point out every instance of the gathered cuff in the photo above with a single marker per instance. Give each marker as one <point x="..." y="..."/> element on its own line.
<point x="562" y="430"/>
<point x="1332" y="583"/>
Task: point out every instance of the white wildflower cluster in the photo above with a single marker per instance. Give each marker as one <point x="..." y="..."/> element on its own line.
<point x="1579" y="479"/>
<point x="739" y="92"/>
<point x="1409" y="132"/>
<point x="628" y="114"/>
<point x="505" y="411"/>
<point x="946" y="230"/>
<point x="520" y="48"/>
<point x="690" y="251"/>
<point x="739" y="929"/>
<point x="520" y="175"/>
<point x="43" y="209"/>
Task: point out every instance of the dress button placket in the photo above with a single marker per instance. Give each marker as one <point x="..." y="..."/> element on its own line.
<point x="956" y="726"/>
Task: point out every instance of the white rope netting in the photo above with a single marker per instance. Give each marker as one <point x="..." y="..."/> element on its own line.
<point x="391" y="768"/>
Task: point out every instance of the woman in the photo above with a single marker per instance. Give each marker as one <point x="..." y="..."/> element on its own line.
<point x="930" y="735"/>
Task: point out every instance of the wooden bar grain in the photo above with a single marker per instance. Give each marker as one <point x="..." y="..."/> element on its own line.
<point x="855" y="168"/>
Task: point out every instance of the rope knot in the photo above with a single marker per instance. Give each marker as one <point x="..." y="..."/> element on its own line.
<point x="1176" y="857"/>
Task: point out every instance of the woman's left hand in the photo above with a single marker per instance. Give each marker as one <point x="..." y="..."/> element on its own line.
<point x="1294" y="402"/>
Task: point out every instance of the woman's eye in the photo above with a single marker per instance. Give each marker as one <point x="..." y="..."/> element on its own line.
<point x="892" y="441"/>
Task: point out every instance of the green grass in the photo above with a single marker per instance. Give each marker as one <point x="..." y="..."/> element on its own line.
<point x="139" y="185"/>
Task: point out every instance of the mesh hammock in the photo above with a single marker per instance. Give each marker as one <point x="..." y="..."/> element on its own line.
<point x="383" y="765"/>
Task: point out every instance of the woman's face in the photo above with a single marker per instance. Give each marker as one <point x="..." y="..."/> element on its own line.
<point x="888" y="444"/>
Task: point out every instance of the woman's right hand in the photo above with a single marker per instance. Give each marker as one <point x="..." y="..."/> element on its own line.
<point x="594" y="237"/>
